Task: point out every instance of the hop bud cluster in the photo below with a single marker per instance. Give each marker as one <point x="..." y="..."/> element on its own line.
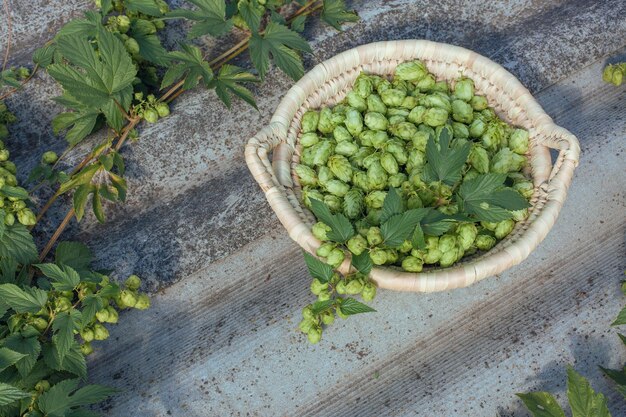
<point x="150" y="109"/>
<point x="376" y="139"/>
<point x="614" y="73"/>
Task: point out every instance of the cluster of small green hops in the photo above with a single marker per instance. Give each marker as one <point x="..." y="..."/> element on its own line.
<point x="353" y="153"/>
<point x="122" y="25"/>
<point x="6" y="118"/>
<point x="353" y="284"/>
<point x="614" y="73"/>
<point x="150" y="109"/>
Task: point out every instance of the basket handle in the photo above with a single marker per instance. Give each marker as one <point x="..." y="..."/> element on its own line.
<point x="257" y="153"/>
<point x="563" y="170"/>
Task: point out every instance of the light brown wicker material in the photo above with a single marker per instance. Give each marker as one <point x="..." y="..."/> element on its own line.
<point x="327" y="84"/>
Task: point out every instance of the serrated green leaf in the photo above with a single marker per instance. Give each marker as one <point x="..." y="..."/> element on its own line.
<point x="622" y="337"/>
<point x="341" y="228"/>
<point x="9" y="394"/>
<point x="16" y="242"/>
<point x="64" y="325"/>
<point x="619" y="377"/>
<point x="583" y="400"/>
<point x="83" y="177"/>
<point x="73" y="254"/>
<point x="210" y="18"/>
<point x="363" y="262"/>
<point x="298" y="23"/>
<point x="44" y="55"/>
<point x="620" y="319"/>
<point x="251" y="13"/>
<point x="400" y="227"/>
<point x="417" y="240"/>
<point x="334" y="13"/>
<point x="147" y="7"/>
<point x="228" y="81"/>
<point x="542" y="404"/>
<point x="98" y="209"/>
<point x="444" y="163"/>
<point x="91" y="394"/>
<point x="18" y="192"/>
<point x="78" y="85"/>
<point x="9" y="357"/>
<point x="63" y="278"/>
<point x="350" y="306"/>
<point x="486" y="198"/>
<point x="29" y="346"/>
<point x="86" y="27"/>
<point x="74" y="362"/>
<point x="91" y="304"/>
<point x="9" y="78"/>
<point x="79" y="124"/>
<point x="28" y="300"/>
<point x="192" y="65"/>
<point x="80" y="197"/>
<point x="282" y="43"/>
<point x="8" y="266"/>
<point x="320" y="306"/>
<point x="56" y="401"/>
<point x="392" y="205"/>
<point x="318" y="269"/>
<point x="150" y="47"/>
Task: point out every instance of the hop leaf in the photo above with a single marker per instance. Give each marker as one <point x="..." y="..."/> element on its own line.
<point x="191" y="65"/>
<point x="251" y="13"/>
<point x="318" y="269"/>
<point x="147" y="7"/>
<point x="350" y="306"/>
<point x="487" y="199"/>
<point x="445" y="163"/>
<point x="335" y="13"/>
<point x="542" y="404"/>
<point x="341" y="228"/>
<point x="282" y="43"/>
<point x="64" y="396"/>
<point x="10" y="394"/>
<point x="210" y="18"/>
<point x="229" y="81"/>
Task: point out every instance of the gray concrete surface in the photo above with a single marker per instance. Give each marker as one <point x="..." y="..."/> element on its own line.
<point x="228" y="283"/>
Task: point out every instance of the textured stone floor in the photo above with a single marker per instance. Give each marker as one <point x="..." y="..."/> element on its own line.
<point x="228" y="282"/>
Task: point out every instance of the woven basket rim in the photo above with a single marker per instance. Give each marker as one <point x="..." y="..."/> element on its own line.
<point x="326" y="83"/>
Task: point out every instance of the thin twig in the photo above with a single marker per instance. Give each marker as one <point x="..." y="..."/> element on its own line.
<point x="7" y="10"/>
<point x="57" y="234"/>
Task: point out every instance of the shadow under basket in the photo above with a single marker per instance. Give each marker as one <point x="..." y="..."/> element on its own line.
<point x="328" y="83"/>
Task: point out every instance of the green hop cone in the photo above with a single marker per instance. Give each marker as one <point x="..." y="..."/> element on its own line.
<point x="325" y="123"/>
<point x="464" y="89"/>
<point x="375" y="199"/>
<point x="334" y="203"/>
<point x="375" y="104"/>
<point x="337" y="187"/>
<point x="335" y="258"/>
<point x="49" y="157"/>
<point x="4" y="155"/>
<point x="354" y="122"/>
<point x="369" y="292"/>
<point x="437" y="100"/>
<point x="479" y="103"/>
<point x="123" y="23"/>
<point x="320" y="231"/>
<point x="4" y="131"/>
<point x="507" y="161"/>
<point x="151" y="115"/>
<point x="87" y="334"/>
<point x="504" y="228"/>
<point x="317" y="286"/>
<point x="346" y="148"/>
<point x="359" y="179"/>
<point x="132" y="46"/>
<point x="328" y="317"/>
<point x="113" y="315"/>
<point x="341" y="134"/>
<point x="520" y="215"/>
<point x="357" y="244"/>
<point x="307" y="313"/>
<point x="446" y="243"/>
<point x="397" y="180"/>
<point x="404" y="130"/>
<point x="42" y="386"/>
<point x="310" y="120"/>
<point x="103" y="315"/>
<point x="376" y="121"/>
<point x="525" y="188"/>
<point x="411" y="71"/>
<point x="353" y="203"/>
<point x="325" y="249"/>
<point x="86" y="349"/>
<point x="306" y="325"/>
<point x="479" y="159"/>
<point x="321" y="152"/>
<point x="460" y="130"/>
<point x="409" y="103"/>
<point x="378" y="256"/>
<point x="377" y="177"/>
<point x="485" y="242"/>
<point x="363" y="85"/>
<point x="466" y="234"/>
<point x="435" y="117"/>
<point x="100" y="332"/>
<point x="314" y="334"/>
<point x="162" y="109"/>
<point x="420" y="140"/>
<point x="477" y="128"/>
<point x="518" y="141"/>
<point x="40" y="323"/>
<point x="309" y="193"/>
<point x="356" y="101"/>
<point x="26" y="217"/>
<point x="493" y="135"/>
<point x="389" y="163"/>
<point x="489" y="225"/>
<point x="133" y="282"/>
<point x="432" y="256"/>
<point x="323" y="296"/>
<point x="354" y="287"/>
<point x="417" y="115"/>
<point x="341" y="287"/>
<point x="462" y="111"/>
<point x="448" y="258"/>
<point x="412" y="264"/>
<point x="324" y="174"/>
<point x="309" y="139"/>
<point x="340" y="167"/>
<point x="62" y="304"/>
<point x="128" y="298"/>
<point x="393" y="97"/>
<point x="143" y="302"/>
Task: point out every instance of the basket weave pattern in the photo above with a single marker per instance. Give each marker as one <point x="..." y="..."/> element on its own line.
<point x="328" y="83"/>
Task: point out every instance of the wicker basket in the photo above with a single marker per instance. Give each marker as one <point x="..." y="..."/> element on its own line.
<point x="328" y="83"/>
